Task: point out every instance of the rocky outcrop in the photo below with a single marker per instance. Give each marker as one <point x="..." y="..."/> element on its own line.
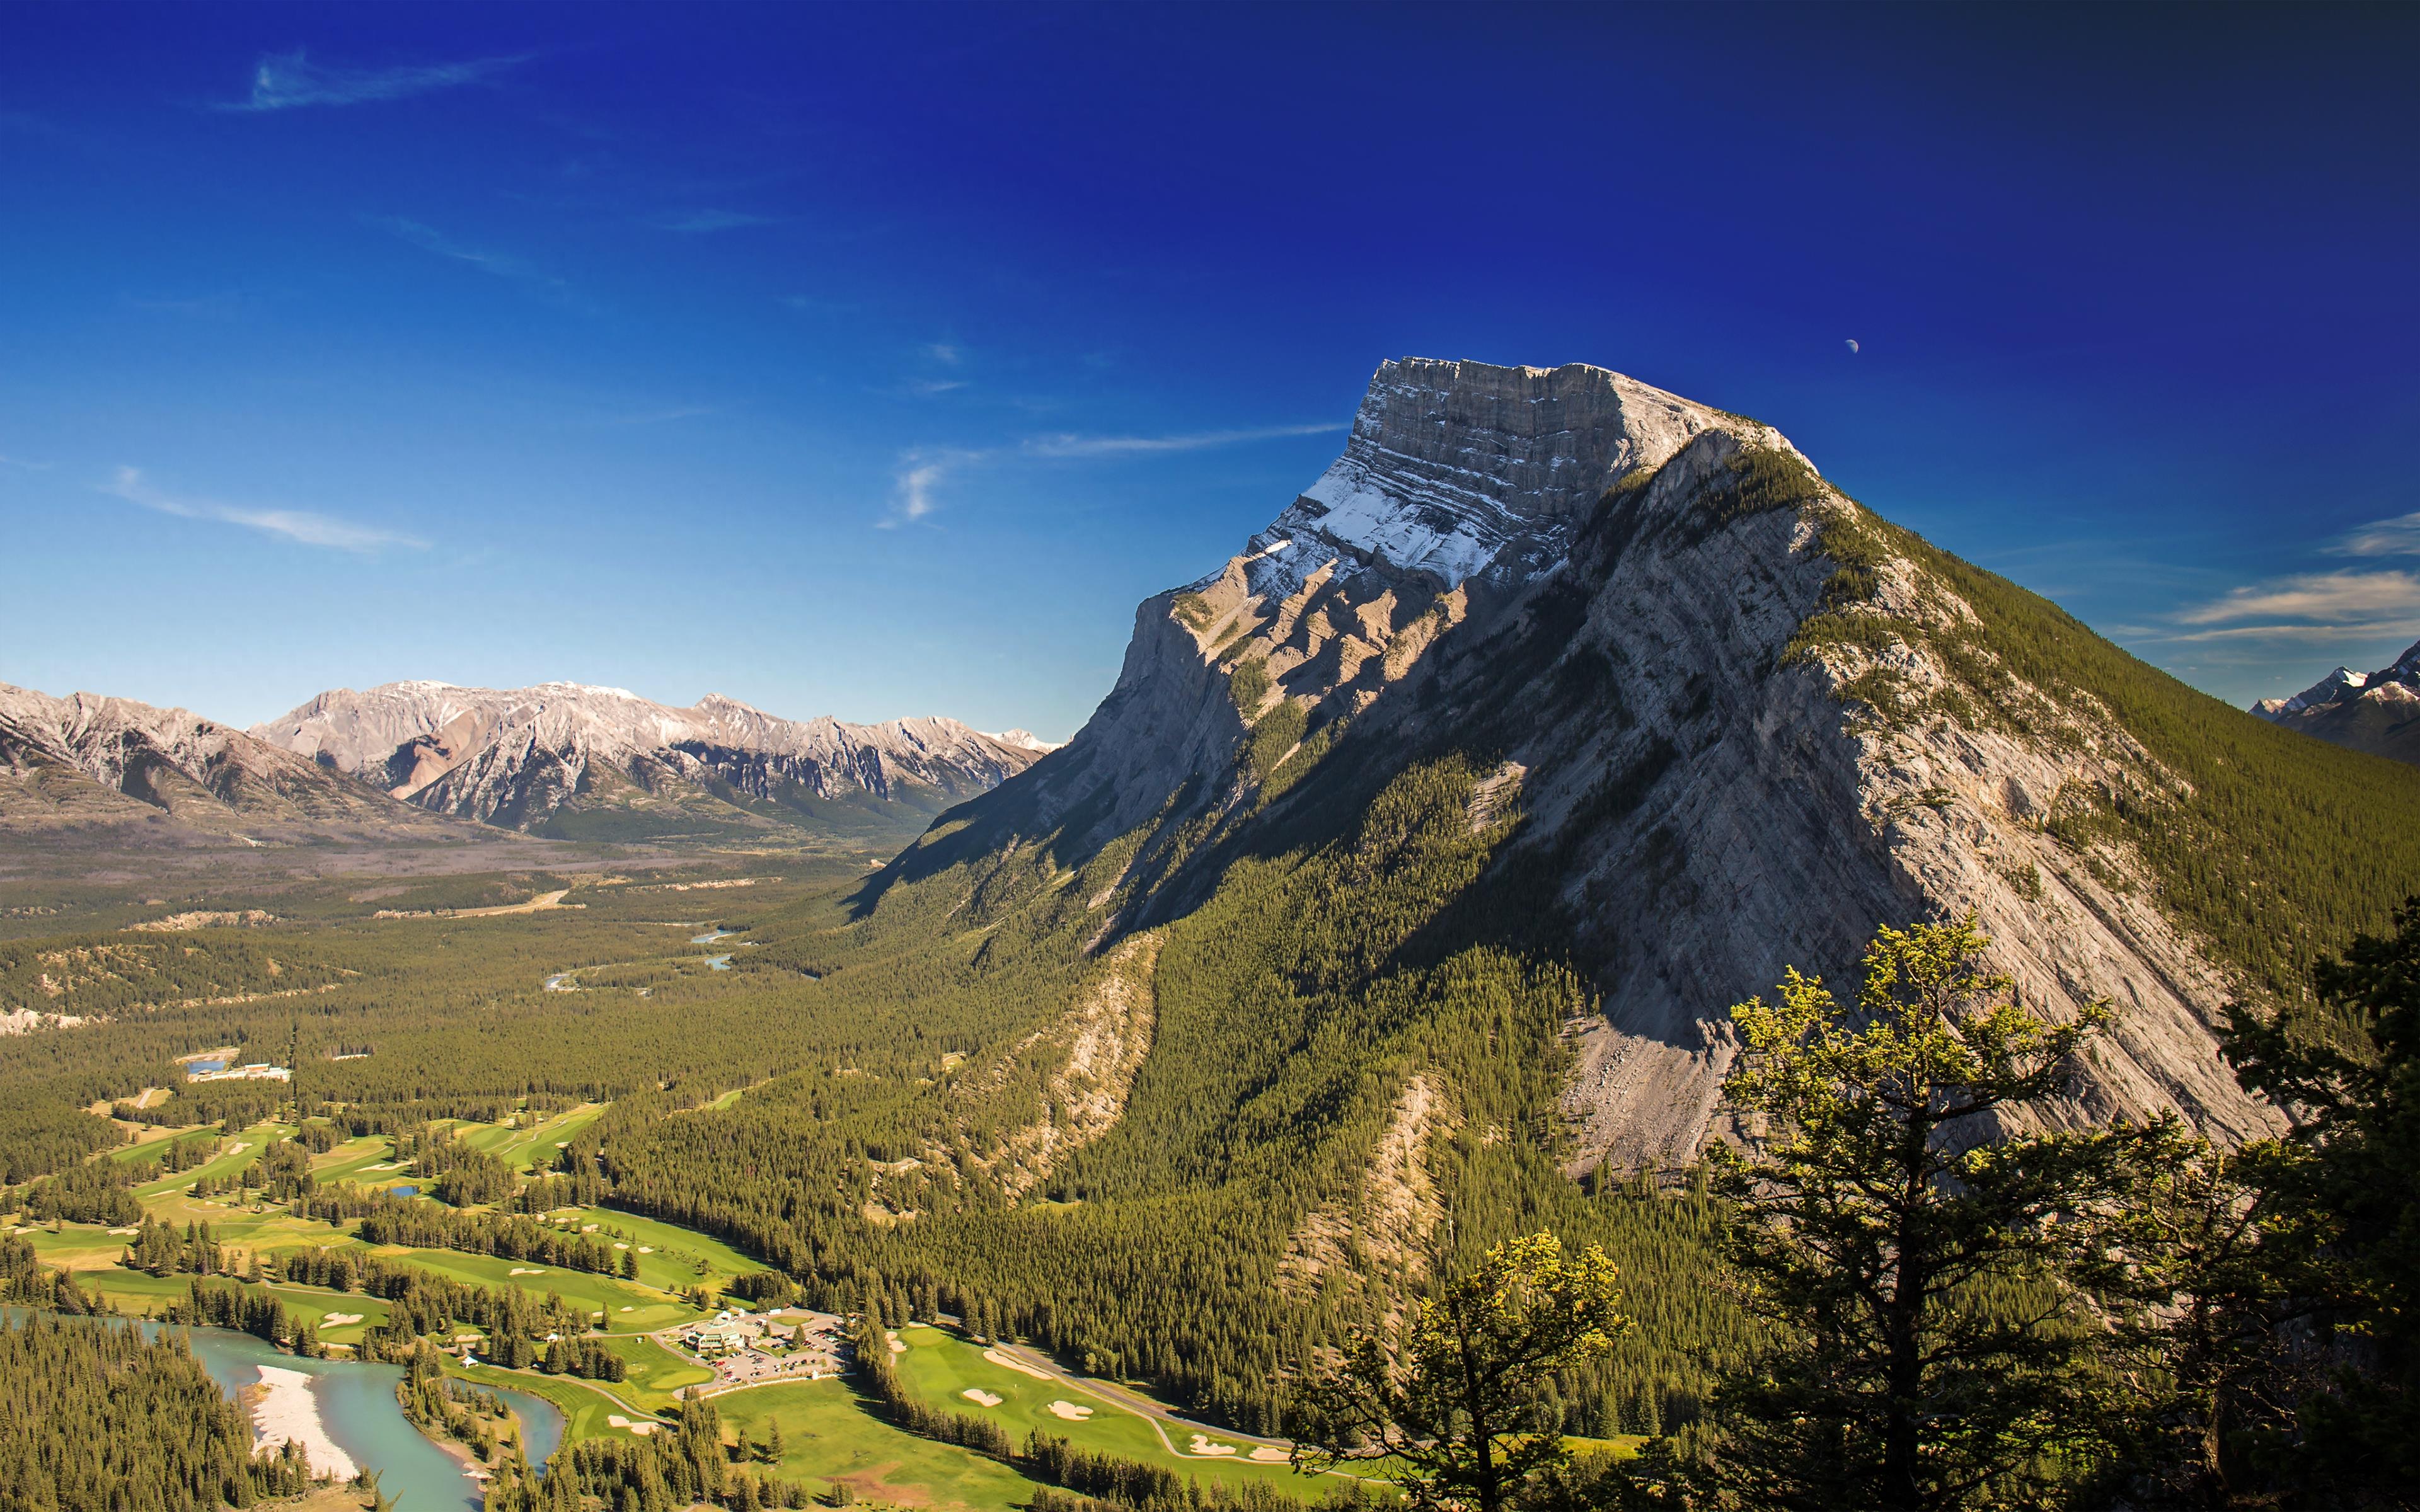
<point x="521" y="757"/>
<point x="1385" y="1228"/>
<point x="1086" y="1059"/>
<point x="2377" y="712"/>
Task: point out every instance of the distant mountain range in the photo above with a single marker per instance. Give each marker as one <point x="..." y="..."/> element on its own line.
<point x="86" y="761"/>
<point x="561" y="760"/>
<point x="2377" y="712"/>
<point x="581" y="762"/>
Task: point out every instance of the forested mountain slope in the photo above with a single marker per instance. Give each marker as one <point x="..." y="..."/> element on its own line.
<point x="1417" y="855"/>
<point x="1740" y="722"/>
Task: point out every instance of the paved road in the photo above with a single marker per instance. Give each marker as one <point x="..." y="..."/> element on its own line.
<point x="635" y="1413"/>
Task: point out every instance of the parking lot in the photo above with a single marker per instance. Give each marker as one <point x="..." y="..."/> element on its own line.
<point x="750" y="1349"/>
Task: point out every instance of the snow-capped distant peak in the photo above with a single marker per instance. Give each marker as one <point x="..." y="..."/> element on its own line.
<point x="1023" y="740"/>
<point x="2329" y="690"/>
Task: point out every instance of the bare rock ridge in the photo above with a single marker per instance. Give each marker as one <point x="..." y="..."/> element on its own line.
<point x="88" y="760"/>
<point x="571" y="759"/>
<point x="2377" y="712"/>
<point x="1460" y="480"/>
<point x="1611" y="597"/>
<point x="1450" y="463"/>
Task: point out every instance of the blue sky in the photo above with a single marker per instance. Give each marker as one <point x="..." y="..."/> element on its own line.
<point x="877" y="360"/>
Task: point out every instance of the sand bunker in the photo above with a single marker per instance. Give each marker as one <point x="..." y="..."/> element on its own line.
<point x="525" y="1269"/>
<point x="646" y="1249"/>
<point x="1271" y="1455"/>
<point x="125" y="1230"/>
<point x="615" y="1420"/>
<point x="339" y="1319"/>
<point x="626" y="1310"/>
<point x="289" y="1410"/>
<point x="1069" y="1410"/>
<point x="979" y="1397"/>
<point x="618" y="1244"/>
<point x="1203" y="1447"/>
<point x="1018" y="1365"/>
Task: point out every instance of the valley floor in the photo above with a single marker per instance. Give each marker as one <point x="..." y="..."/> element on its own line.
<point x="832" y="1434"/>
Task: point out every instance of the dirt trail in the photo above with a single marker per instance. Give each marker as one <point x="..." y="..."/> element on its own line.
<point x="544" y="900"/>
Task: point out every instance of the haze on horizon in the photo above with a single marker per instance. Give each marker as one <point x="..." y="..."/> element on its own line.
<point x="875" y="361"/>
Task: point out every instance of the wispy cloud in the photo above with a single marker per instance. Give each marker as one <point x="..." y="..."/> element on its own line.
<point x="703" y="223"/>
<point x="2313" y="596"/>
<point x="285" y="81"/>
<point x="2396" y="537"/>
<point x="927" y="388"/>
<point x="21" y="462"/>
<point x="498" y="264"/>
<point x="916" y="489"/>
<point x="916" y="478"/>
<point x="948" y="354"/>
<point x="918" y="475"/>
<point x="2402" y="626"/>
<point x="300" y="526"/>
<point x="1071" y="445"/>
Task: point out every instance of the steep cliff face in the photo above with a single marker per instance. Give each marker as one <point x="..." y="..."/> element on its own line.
<point x="1459" y="478"/>
<point x="564" y="755"/>
<point x="90" y="760"/>
<point x="1740" y="721"/>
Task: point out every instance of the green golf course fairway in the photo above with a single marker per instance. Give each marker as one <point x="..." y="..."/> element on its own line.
<point x="532" y="1149"/>
<point x="242" y="1150"/>
<point x="135" y="1292"/>
<point x="671" y="1263"/>
<point x="649" y="1310"/>
<point x="940" y="1368"/>
<point x="655" y="1372"/>
<point x="829" y="1435"/>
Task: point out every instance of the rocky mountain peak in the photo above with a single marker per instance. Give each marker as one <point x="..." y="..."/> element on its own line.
<point x="2377" y="712"/>
<point x="1451" y="462"/>
<point x="1741" y="719"/>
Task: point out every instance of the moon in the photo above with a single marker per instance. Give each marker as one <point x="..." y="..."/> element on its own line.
<point x="1853" y="344"/>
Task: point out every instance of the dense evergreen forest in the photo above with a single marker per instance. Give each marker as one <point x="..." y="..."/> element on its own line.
<point x="97" y="1416"/>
